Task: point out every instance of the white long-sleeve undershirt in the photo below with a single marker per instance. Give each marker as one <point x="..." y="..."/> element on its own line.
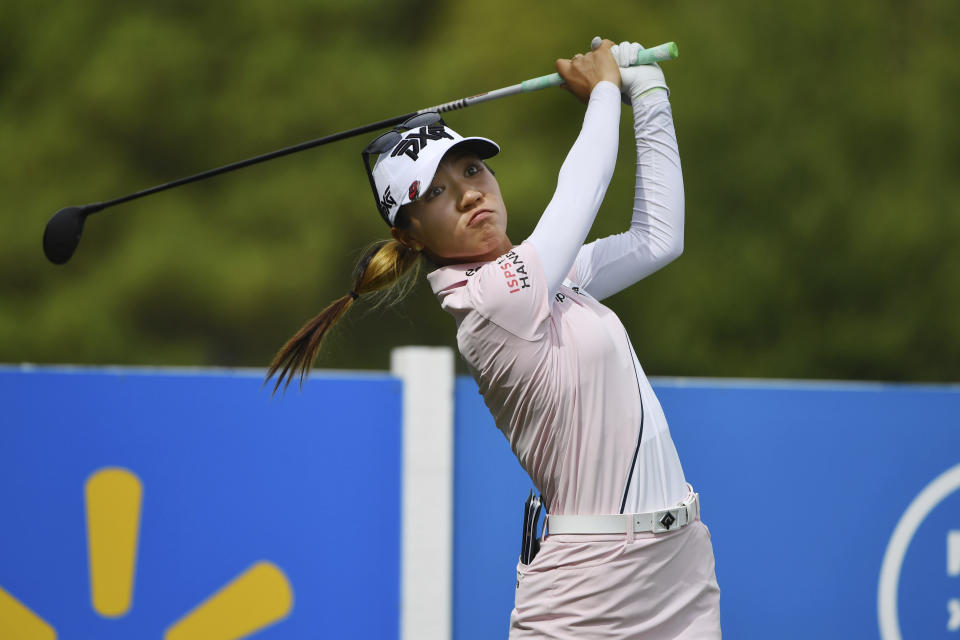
<point x="655" y="237"/>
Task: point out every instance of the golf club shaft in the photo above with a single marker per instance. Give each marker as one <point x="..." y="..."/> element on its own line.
<point x="660" y="53"/>
<point x="647" y="56"/>
<point x="389" y="122"/>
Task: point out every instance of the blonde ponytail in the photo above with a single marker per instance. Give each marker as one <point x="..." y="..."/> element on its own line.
<point x="386" y="265"/>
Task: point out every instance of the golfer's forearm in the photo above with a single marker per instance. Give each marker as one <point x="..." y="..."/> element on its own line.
<point x="658" y="202"/>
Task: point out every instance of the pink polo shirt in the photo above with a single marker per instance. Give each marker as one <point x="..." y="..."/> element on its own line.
<point x="554" y="365"/>
<point x="563" y="385"/>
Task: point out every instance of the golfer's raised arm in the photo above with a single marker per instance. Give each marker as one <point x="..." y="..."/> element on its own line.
<point x="587" y="169"/>
<point x="655" y="236"/>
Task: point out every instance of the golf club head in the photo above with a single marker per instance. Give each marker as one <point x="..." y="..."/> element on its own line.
<point x="62" y="235"/>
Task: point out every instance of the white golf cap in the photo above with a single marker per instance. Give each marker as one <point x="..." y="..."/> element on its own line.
<point x="407" y="169"/>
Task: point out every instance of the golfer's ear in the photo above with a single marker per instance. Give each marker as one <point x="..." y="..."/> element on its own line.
<point x="399" y="235"/>
<point x="403" y="237"/>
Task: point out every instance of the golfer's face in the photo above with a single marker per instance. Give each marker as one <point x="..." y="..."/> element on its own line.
<point x="460" y="217"/>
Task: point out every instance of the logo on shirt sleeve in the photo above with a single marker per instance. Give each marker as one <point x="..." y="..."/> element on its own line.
<point x="514" y="271"/>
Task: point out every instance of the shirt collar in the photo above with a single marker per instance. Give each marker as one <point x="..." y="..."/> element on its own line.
<point x="451" y="276"/>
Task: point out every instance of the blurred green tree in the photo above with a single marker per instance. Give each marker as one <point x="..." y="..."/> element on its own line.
<point x="820" y="147"/>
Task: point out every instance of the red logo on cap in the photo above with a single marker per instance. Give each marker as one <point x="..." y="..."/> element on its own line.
<point x="414" y="190"/>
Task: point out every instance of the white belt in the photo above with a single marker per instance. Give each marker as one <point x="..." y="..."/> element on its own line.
<point x="655" y="521"/>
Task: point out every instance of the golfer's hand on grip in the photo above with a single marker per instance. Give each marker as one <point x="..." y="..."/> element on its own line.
<point x="582" y="72"/>
<point x="635" y="80"/>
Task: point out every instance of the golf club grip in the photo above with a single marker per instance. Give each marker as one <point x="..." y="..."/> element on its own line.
<point x="660" y="53"/>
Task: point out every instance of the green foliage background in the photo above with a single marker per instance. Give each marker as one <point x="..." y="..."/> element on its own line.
<point x="820" y="142"/>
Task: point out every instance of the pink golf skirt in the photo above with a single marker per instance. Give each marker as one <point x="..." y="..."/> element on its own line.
<point x="651" y="586"/>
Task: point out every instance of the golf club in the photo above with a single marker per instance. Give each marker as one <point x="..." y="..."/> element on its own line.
<point x="62" y="233"/>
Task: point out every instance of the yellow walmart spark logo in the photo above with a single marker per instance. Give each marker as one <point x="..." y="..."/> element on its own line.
<point x="258" y="597"/>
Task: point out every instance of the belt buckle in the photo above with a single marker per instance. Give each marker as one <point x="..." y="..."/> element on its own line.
<point x="665" y="520"/>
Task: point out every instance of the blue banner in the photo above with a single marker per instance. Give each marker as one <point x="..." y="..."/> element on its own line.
<point x="241" y="501"/>
<point x="834" y="508"/>
<point x="802" y="486"/>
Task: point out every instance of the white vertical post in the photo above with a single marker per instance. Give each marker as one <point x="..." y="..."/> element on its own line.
<point x="426" y="580"/>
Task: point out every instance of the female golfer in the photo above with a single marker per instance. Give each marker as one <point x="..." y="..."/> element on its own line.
<point x="625" y="555"/>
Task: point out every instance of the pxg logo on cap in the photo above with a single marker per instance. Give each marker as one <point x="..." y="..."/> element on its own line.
<point x="413" y="142"/>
